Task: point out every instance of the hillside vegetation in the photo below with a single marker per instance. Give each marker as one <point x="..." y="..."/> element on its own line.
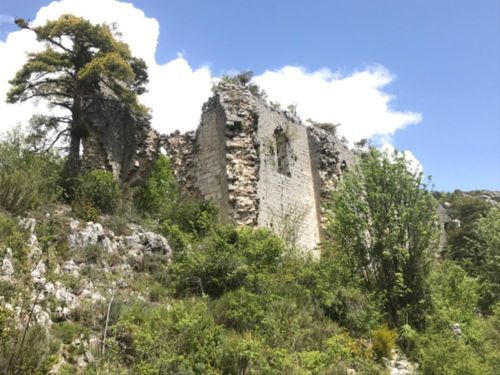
<point x="97" y="278"/>
<point x="90" y="285"/>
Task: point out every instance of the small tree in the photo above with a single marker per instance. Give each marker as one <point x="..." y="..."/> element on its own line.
<point x="384" y="221"/>
<point x="82" y="65"/>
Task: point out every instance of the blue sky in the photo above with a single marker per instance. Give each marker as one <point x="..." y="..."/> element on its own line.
<point x="445" y="55"/>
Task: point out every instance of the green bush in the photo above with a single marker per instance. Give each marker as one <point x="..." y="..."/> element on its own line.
<point x="98" y="189"/>
<point x="443" y="353"/>
<point x="228" y="259"/>
<point x="180" y="338"/>
<point x="383" y="342"/>
<point x="454" y="294"/>
<point x="67" y="331"/>
<point x="487" y="243"/>
<point x="160" y="190"/>
<point x="245" y="355"/>
<point x="240" y="310"/>
<point x="27" y="179"/>
<point x="12" y="237"/>
<point x="37" y="354"/>
<point x="384" y="219"/>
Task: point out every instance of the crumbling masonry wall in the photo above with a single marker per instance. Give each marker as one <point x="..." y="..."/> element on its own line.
<point x="119" y="141"/>
<point x="286" y="192"/>
<point x="259" y="164"/>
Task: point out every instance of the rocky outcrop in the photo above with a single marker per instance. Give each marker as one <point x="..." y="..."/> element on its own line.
<point x="93" y="234"/>
<point x="400" y="365"/>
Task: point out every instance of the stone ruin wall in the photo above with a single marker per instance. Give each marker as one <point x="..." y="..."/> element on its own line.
<point x="330" y="157"/>
<point x="286" y="186"/>
<point x="259" y="164"/>
<point x="233" y="160"/>
<point x="120" y="142"/>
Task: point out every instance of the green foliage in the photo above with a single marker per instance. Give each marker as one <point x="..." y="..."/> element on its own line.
<point x="27" y="179"/>
<point x="384" y="341"/>
<point x="468" y="208"/>
<point x="99" y="190"/>
<point x="12" y="237"/>
<point x="341" y="293"/>
<point x="384" y="221"/>
<point x="240" y="310"/>
<point x="454" y="293"/>
<point x="228" y="259"/>
<point x="487" y="243"/>
<point x="67" y="331"/>
<point x="442" y="353"/>
<point x="181" y="338"/>
<point x="160" y="190"/>
<point x="37" y="355"/>
<point x="187" y="221"/>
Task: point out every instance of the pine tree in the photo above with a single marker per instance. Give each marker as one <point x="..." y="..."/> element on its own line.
<point x="82" y="65"/>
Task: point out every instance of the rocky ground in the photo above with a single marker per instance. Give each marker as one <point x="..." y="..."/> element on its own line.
<point x="76" y="273"/>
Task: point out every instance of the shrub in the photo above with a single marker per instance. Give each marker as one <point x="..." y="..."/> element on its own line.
<point x="17" y="190"/>
<point x="85" y="210"/>
<point x="240" y="310"/>
<point x="27" y="179"/>
<point x="36" y="356"/>
<point x="443" y="353"/>
<point x="99" y="189"/>
<point x="180" y="338"/>
<point x="160" y="190"/>
<point x="67" y="331"/>
<point x="384" y="219"/>
<point x="228" y="259"/>
<point x="383" y="342"/>
<point x="15" y="239"/>
<point x="245" y="355"/>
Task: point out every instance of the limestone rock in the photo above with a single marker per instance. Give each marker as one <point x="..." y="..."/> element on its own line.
<point x="7" y="269"/>
<point x="399" y="365"/>
<point x="455" y="327"/>
<point x="91" y="234"/>
<point x="71" y="267"/>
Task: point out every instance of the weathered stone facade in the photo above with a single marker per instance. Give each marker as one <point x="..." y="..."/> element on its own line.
<point x="119" y="141"/>
<point x="259" y="164"/>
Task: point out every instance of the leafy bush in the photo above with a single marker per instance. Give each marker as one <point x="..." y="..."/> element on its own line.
<point x="383" y="342"/>
<point x="37" y="354"/>
<point x="98" y="189"/>
<point x="487" y="243"/>
<point x="454" y="294"/>
<point x="27" y="179"/>
<point x="240" y="310"/>
<point x="160" y="190"/>
<point x="228" y="259"/>
<point x="467" y="208"/>
<point x="181" y="338"/>
<point x="443" y="353"/>
<point x="383" y="218"/>
<point x="12" y="237"/>
<point x="67" y="331"/>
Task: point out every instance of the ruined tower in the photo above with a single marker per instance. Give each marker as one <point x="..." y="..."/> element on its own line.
<point x="260" y="165"/>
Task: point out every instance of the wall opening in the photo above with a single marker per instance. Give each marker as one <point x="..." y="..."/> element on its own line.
<point x="283" y="152"/>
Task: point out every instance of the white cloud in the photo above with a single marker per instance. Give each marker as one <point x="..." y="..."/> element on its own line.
<point x="356" y="101"/>
<point x="177" y="90"/>
<point x="413" y="163"/>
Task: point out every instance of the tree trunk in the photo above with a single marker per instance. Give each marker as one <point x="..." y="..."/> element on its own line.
<point x="74" y="156"/>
